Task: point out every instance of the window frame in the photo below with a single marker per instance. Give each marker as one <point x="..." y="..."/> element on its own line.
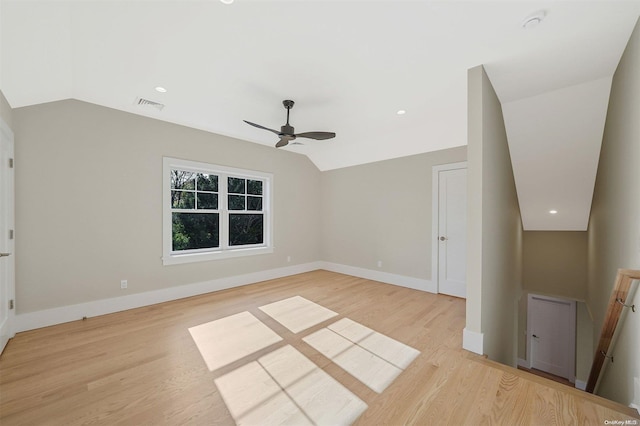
<point x="224" y="251"/>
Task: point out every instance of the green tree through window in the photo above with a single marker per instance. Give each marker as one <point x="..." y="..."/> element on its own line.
<point x="215" y="211"/>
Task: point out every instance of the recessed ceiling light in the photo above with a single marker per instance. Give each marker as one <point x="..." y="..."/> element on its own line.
<point x="227" y="1"/>
<point x="553" y="211"/>
<point x="533" y="20"/>
<point x="401" y="112"/>
<point x="161" y="89"/>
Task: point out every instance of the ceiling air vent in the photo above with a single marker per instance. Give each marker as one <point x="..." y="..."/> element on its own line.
<point x="149" y="104"/>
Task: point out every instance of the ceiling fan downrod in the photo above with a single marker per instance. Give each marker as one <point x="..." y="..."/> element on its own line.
<point x="287" y="130"/>
<point x="288" y="104"/>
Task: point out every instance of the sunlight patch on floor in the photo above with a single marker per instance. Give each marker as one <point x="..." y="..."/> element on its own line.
<point x="297" y="313"/>
<point x="385" y="347"/>
<point x="373" y="358"/>
<point x="371" y="370"/>
<point x="284" y="387"/>
<point x="229" y="339"/>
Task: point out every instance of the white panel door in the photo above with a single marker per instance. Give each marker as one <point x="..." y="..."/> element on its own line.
<point x="7" y="290"/>
<point x="552" y="335"/>
<point x="452" y="232"/>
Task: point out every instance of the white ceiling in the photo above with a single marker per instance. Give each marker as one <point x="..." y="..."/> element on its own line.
<point x="349" y="65"/>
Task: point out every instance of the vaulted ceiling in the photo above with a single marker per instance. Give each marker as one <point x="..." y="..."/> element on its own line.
<point x="349" y="65"/>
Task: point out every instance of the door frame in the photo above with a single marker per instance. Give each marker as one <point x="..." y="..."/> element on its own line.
<point x="6" y="134"/>
<point x="435" y="217"/>
<point x="571" y="326"/>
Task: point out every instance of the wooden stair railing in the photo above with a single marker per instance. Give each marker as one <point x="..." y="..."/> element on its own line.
<point x="617" y="303"/>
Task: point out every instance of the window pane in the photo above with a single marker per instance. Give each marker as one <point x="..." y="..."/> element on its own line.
<point x="207" y="182"/>
<point x="254" y="187"/>
<point x="195" y="231"/>
<point x="236" y="185"/>
<point x="181" y="179"/>
<point x="207" y="200"/>
<point x="183" y="200"/>
<point x="254" y="203"/>
<point x="246" y="229"/>
<point x="236" y="202"/>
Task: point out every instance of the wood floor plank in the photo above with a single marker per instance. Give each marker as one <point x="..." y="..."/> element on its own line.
<point x="142" y="366"/>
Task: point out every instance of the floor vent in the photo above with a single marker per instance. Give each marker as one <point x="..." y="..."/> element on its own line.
<point x="147" y="103"/>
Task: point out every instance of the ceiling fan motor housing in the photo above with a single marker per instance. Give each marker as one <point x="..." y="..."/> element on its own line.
<point x="287" y="130"/>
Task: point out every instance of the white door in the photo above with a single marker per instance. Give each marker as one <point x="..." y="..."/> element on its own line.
<point x="552" y="336"/>
<point x="7" y="290"/>
<point x="452" y="231"/>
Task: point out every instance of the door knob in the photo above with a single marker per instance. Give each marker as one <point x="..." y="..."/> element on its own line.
<point x="535" y="336"/>
<point x="443" y="238"/>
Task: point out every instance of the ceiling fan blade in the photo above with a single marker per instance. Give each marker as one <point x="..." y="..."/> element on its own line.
<point x="261" y="127"/>
<point x="284" y="141"/>
<point x="316" y="135"/>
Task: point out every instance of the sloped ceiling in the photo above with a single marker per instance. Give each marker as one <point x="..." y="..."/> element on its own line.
<point x="555" y="151"/>
<point x="349" y="65"/>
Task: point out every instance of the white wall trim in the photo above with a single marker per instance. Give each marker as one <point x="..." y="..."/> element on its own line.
<point x="47" y="317"/>
<point x="4" y="127"/>
<point x="7" y="324"/>
<point x="385" y="277"/>
<point x="581" y="385"/>
<point x="473" y="341"/>
<point x="435" y="212"/>
<point x="59" y="315"/>
<point x="524" y="363"/>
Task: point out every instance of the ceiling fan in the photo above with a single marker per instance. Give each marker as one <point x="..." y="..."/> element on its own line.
<point x="287" y="132"/>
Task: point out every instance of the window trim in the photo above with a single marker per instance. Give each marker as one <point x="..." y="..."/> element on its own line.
<point x="169" y="257"/>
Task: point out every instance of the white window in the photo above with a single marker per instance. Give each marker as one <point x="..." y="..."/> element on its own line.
<point x="214" y="212"/>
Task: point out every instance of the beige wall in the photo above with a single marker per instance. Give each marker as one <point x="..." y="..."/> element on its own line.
<point x="494" y="252"/>
<point x="475" y="82"/>
<point x="88" y="203"/>
<point x="614" y="225"/>
<point x="382" y="212"/>
<point x="89" y="206"/>
<point x="5" y="111"/>
<point x="555" y="263"/>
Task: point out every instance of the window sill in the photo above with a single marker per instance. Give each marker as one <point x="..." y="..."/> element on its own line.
<point x="177" y="259"/>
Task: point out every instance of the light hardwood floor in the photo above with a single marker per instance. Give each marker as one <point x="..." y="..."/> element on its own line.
<point x="141" y="367"/>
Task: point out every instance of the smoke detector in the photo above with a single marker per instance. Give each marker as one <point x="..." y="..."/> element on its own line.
<point x="533" y="20"/>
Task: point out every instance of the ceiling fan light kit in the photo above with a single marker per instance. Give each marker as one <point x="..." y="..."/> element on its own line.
<point x="287" y="132"/>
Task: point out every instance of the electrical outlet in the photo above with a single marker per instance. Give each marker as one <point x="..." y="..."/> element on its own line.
<point x="379" y="263"/>
<point x="288" y="258"/>
<point x="124" y="284"/>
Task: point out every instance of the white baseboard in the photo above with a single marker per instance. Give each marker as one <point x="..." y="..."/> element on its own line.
<point x="47" y="317"/>
<point x="385" y="277"/>
<point x="473" y="341"/>
<point x="580" y="384"/>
